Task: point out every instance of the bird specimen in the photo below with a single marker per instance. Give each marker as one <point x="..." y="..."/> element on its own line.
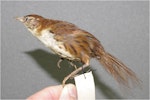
<point x="75" y="44"/>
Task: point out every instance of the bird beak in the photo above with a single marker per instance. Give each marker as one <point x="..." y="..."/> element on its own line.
<point x="21" y="19"/>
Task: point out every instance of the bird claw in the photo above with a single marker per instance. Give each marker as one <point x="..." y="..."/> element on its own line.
<point x="58" y="63"/>
<point x="72" y="64"/>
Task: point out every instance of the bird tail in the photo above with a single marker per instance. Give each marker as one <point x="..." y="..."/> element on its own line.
<point x="121" y="73"/>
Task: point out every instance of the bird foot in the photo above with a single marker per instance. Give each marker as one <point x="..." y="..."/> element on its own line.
<point x="72" y="64"/>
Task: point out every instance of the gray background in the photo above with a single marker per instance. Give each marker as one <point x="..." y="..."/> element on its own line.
<point x="28" y="66"/>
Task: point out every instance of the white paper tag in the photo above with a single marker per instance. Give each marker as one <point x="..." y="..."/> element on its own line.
<point x="85" y="86"/>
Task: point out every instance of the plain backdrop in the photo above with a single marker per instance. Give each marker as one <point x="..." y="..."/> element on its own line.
<point x="27" y="66"/>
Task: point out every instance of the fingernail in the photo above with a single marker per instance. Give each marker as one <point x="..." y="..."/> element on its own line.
<point x="69" y="93"/>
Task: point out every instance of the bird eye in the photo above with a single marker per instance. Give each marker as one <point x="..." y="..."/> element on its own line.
<point x="26" y="18"/>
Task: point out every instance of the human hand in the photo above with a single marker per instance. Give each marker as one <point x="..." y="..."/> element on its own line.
<point x="69" y="92"/>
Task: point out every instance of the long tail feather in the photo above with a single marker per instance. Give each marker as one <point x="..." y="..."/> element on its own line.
<point x="117" y="69"/>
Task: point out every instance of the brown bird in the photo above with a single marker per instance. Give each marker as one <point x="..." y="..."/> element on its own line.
<point x="75" y="44"/>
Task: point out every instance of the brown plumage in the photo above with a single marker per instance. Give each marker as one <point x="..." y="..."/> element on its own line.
<point x="75" y="44"/>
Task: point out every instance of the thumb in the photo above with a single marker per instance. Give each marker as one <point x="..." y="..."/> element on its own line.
<point x="69" y="92"/>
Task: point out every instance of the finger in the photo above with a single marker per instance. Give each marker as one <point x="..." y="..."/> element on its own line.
<point x="49" y="93"/>
<point x="69" y="92"/>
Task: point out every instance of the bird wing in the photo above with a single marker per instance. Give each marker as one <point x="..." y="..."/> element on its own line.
<point x="81" y="44"/>
<point x="77" y="41"/>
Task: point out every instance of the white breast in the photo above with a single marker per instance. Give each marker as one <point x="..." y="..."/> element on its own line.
<point x="48" y="39"/>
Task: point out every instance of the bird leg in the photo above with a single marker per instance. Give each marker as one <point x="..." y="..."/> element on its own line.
<point x="75" y="66"/>
<point x="59" y="61"/>
<point x="74" y="73"/>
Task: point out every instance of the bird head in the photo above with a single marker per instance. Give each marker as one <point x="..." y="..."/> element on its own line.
<point x="31" y="21"/>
